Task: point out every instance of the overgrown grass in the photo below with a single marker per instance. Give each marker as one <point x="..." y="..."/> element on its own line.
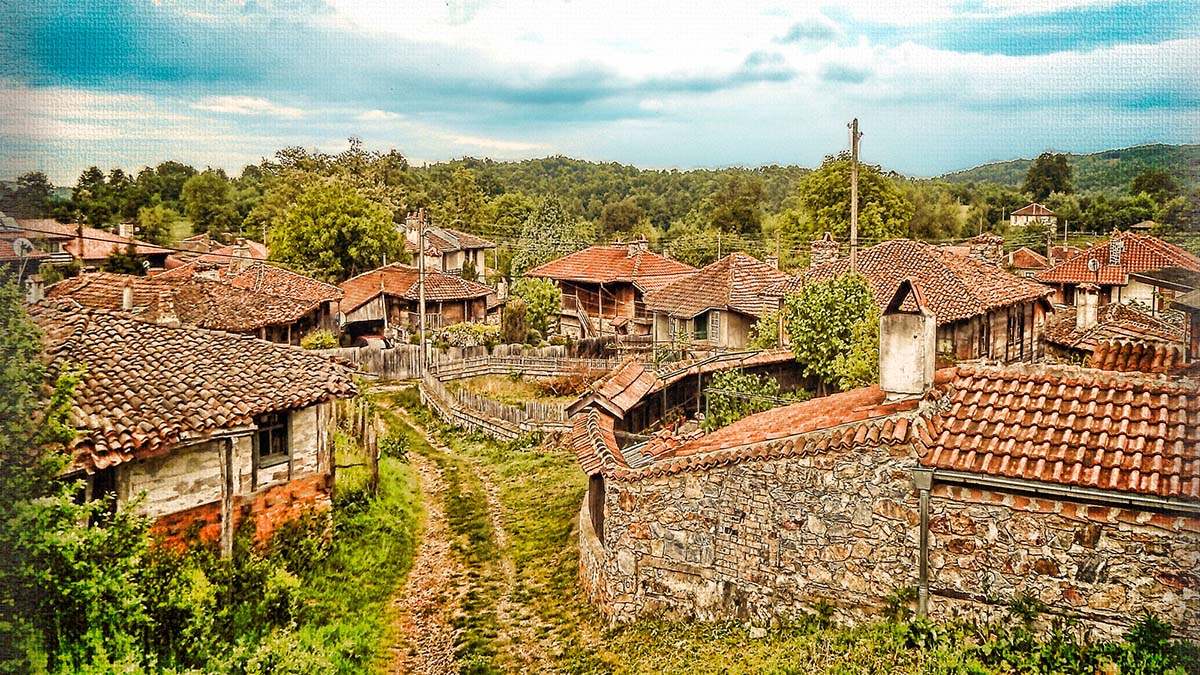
<point x="509" y="390"/>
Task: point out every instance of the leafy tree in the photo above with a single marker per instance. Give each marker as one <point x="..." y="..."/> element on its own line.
<point x="31" y="198"/>
<point x="821" y="321"/>
<point x="333" y="232"/>
<point x="621" y="216"/>
<point x="734" y="394"/>
<point x="859" y="367"/>
<point x="764" y="334"/>
<point x="735" y="205"/>
<point x="90" y="199"/>
<point x="125" y="261"/>
<point x="1182" y="213"/>
<point x="208" y="203"/>
<point x="1048" y="173"/>
<point x="1158" y="183"/>
<point x="937" y="213"/>
<point x="464" y="203"/>
<point x="548" y="234"/>
<point x="543" y="301"/>
<point x="692" y="244"/>
<point x="155" y="223"/>
<point x="883" y="212"/>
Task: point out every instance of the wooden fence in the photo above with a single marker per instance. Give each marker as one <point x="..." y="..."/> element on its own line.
<point x="403" y="362"/>
<point x="499" y="420"/>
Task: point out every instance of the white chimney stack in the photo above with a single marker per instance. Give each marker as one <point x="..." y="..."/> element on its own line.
<point x="1087" y="306"/>
<point x="127" y="296"/>
<point x="907" y="344"/>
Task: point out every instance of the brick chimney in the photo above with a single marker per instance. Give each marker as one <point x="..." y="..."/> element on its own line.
<point x="636" y="246"/>
<point x="1087" y="306"/>
<point x="240" y="258"/>
<point x="907" y="344"/>
<point x="823" y="250"/>
<point x="987" y="247"/>
<point x="166" y="310"/>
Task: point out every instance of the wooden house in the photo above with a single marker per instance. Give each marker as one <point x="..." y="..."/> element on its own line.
<point x="386" y="301"/>
<point x="1111" y="264"/>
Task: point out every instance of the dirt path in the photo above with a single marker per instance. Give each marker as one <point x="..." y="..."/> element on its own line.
<point x="426" y="637"/>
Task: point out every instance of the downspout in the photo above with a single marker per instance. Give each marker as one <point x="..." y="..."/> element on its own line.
<point x="923" y="482"/>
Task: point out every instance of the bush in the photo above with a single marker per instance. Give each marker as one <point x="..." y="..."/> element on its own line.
<point x="470" y="335"/>
<point x="735" y="394"/>
<point x="319" y="339"/>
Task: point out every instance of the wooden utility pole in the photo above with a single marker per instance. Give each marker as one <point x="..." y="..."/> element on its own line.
<point x="854" y="136"/>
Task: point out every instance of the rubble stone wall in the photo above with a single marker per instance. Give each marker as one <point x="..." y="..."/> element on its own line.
<point x="767" y="539"/>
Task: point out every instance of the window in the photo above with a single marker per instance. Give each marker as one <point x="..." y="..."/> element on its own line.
<point x="714" y="324"/>
<point x="700" y="325"/>
<point x="271" y="443"/>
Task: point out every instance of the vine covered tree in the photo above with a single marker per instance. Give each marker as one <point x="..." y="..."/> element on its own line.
<point x="1049" y="173"/>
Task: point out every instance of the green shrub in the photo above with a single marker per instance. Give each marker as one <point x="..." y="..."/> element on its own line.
<point x="319" y="339"/>
<point x="470" y="335"/>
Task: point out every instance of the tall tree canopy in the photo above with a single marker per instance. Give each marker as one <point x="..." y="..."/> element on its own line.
<point x="1049" y="173"/>
<point x="207" y="202"/>
<point x="548" y="234"/>
<point x="333" y="232"/>
<point x="1158" y="183"/>
<point x="883" y="212"/>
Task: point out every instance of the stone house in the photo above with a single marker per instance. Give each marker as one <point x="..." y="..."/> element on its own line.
<point x="1111" y="265"/>
<point x="252" y="298"/>
<point x="971" y="484"/>
<point x="90" y="246"/>
<point x="604" y="287"/>
<point x="1031" y="214"/>
<point x="386" y="301"/>
<point x="714" y="308"/>
<point x="447" y="250"/>
<point x="197" y="429"/>
<point x="982" y="310"/>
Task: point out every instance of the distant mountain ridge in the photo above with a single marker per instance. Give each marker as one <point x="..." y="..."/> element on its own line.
<point x="1105" y="171"/>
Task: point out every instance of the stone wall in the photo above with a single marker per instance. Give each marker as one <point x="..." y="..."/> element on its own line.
<point x="766" y="539"/>
<point x="1104" y="565"/>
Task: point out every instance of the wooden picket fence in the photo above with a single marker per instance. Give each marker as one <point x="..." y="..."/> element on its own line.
<point x="499" y="420"/>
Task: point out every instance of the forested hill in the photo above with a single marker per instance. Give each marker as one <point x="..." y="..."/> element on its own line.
<point x="585" y="187"/>
<point x="1108" y="171"/>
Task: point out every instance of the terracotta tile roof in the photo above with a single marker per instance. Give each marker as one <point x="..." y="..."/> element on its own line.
<point x="263" y="278"/>
<point x="148" y="387"/>
<point x="194" y="299"/>
<point x="96" y="245"/>
<point x="1115" y="321"/>
<point x="608" y="264"/>
<point x="8" y="254"/>
<point x="734" y="282"/>
<point x="1141" y="253"/>
<point x="956" y="287"/>
<point x="402" y="281"/>
<point x="594" y="443"/>
<point x="1033" y="209"/>
<point x="224" y="253"/>
<point x="1072" y="426"/>
<point x="1026" y="258"/>
<point x="1125" y="356"/>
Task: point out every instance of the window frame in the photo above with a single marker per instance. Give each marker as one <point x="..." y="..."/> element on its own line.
<point x="697" y="332"/>
<point x="272" y="425"/>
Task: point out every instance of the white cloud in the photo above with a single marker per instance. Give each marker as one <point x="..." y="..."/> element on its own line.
<point x="492" y="143"/>
<point x="377" y="116"/>
<point x="247" y="105"/>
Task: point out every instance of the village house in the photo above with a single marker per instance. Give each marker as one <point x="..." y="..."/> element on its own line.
<point x="241" y="296"/>
<point x="1074" y="333"/>
<point x="715" y="308"/>
<point x="1031" y="214"/>
<point x="1025" y="262"/>
<point x="982" y="311"/>
<point x="604" y="287"/>
<point x="975" y="485"/>
<point x="90" y="246"/>
<point x="194" y="428"/>
<point x="386" y="301"/>
<point x="1111" y="264"/>
<point x="203" y="250"/>
<point x="446" y="250"/>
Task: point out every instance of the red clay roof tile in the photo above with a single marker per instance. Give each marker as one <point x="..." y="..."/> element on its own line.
<point x="607" y="264"/>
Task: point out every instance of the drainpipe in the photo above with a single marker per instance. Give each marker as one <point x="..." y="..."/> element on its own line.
<point x="923" y="482"/>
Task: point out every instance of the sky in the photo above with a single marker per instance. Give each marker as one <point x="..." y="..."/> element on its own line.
<point x="937" y="85"/>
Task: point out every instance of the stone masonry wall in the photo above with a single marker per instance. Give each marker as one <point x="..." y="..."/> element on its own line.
<point x="764" y="539"/>
<point x="1104" y="565"/>
<point x="761" y="539"/>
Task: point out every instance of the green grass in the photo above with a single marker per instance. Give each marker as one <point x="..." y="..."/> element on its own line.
<point x="346" y="617"/>
<point x="507" y="390"/>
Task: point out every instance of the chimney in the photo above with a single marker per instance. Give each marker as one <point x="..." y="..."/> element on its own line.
<point x="125" y="230"/>
<point x="1116" y="246"/>
<point x="1087" y="306"/>
<point x="907" y="344"/>
<point x="127" y="296"/>
<point x="166" y="310"/>
<point x="773" y="261"/>
<point x="987" y="247"/>
<point x="636" y="246"/>
<point x="822" y="251"/>
<point x="241" y="258"/>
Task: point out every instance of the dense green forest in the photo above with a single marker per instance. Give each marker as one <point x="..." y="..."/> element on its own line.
<point x="334" y="215"/>
<point x="1109" y="171"/>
